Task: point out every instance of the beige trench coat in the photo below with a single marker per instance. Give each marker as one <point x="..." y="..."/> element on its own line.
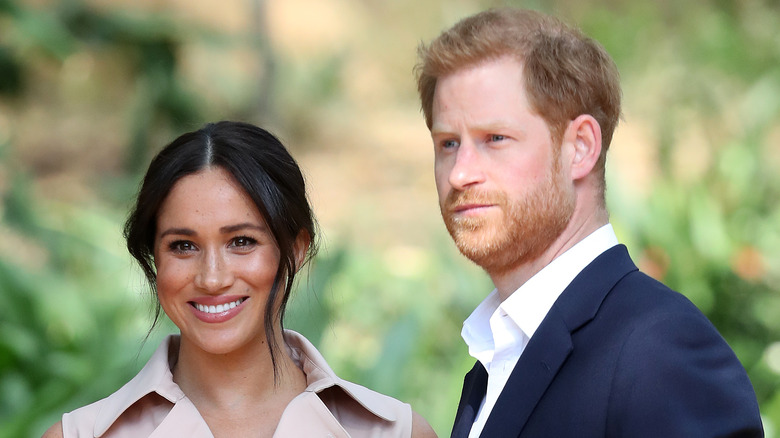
<point x="152" y="405"/>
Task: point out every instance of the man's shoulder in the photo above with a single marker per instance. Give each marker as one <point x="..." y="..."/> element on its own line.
<point x="641" y="311"/>
<point x="622" y="298"/>
<point x="612" y="288"/>
<point x="646" y="295"/>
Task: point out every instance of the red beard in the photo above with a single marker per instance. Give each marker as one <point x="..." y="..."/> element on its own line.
<point x="525" y="229"/>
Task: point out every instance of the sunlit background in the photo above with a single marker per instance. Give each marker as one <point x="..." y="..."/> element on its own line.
<point x="90" y="90"/>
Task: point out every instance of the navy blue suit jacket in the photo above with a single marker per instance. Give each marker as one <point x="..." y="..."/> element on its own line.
<point x="619" y="355"/>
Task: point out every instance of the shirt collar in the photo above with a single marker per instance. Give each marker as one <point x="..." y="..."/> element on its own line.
<point x="319" y="376"/>
<point x="476" y="329"/>
<point x="156" y="377"/>
<point x="529" y="304"/>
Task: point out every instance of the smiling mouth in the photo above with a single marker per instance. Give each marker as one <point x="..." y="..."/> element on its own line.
<point x="219" y="308"/>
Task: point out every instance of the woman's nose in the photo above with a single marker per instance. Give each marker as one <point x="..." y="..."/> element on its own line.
<point x="214" y="274"/>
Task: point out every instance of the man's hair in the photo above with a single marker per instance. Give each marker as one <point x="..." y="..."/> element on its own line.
<point x="566" y="73"/>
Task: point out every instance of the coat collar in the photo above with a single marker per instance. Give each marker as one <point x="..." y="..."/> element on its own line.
<point x="156" y="377"/>
<point x="319" y="376"/>
<point x="551" y="345"/>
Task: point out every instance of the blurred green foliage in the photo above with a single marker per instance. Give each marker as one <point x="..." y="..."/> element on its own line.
<point x="701" y="78"/>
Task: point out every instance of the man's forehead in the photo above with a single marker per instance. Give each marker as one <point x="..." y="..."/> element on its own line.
<point x="490" y="93"/>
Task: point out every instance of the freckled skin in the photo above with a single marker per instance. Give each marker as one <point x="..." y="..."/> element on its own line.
<point x="212" y="241"/>
<point x="502" y="189"/>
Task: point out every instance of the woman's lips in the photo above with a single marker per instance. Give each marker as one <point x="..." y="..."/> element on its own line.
<point x="217" y="309"/>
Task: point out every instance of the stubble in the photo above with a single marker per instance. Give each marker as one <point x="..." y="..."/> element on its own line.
<point x="524" y="230"/>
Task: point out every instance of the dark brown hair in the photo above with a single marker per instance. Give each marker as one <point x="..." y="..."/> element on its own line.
<point x="266" y="171"/>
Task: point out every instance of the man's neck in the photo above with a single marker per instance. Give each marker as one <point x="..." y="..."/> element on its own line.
<point x="509" y="281"/>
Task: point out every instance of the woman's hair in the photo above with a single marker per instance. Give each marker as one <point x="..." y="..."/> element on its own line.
<point x="566" y="74"/>
<point x="266" y="171"/>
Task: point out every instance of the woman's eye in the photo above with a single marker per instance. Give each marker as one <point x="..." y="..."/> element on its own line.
<point x="243" y="241"/>
<point x="181" y="246"/>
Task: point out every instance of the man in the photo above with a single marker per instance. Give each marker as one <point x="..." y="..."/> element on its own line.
<point x="574" y="341"/>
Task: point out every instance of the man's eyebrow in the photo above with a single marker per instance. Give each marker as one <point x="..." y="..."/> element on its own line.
<point x="486" y="126"/>
<point x="440" y="129"/>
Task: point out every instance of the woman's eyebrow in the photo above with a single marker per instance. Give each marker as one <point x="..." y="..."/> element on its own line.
<point x="238" y="227"/>
<point x="224" y="230"/>
<point x="178" y="231"/>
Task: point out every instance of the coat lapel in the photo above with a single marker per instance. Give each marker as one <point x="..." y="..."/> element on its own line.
<point x="551" y="345"/>
<point x="474" y="387"/>
<point x="183" y="420"/>
<point x="306" y="415"/>
<point x="544" y="355"/>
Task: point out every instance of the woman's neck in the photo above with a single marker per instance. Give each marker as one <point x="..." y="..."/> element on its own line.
<point x="240" y="385"/>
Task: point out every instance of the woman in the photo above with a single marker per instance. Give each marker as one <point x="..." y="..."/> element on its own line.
<point x="220" y="228"/>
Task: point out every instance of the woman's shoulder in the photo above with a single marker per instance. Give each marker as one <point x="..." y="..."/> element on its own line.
<point x="354" y="404"/>
<point x="421" y="428"/>
<point x="79" y="422"/>
<point x="54" y="432"/>
<point x="146" y="395"/>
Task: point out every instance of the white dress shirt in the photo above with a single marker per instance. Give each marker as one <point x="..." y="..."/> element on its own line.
<point x="497" y="333"/>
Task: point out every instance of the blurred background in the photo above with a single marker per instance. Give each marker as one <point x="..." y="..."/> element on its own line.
<point x="91" y="89"/>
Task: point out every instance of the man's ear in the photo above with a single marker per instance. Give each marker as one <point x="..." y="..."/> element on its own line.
<point x="584" y="134"/>
<point x="301" y="247"/>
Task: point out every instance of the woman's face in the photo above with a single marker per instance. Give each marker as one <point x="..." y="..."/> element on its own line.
<point x="216" y="261"/>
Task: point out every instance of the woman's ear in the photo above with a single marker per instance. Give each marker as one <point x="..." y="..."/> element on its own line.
<point x="301" y="248"/>
<point x="584" y="134"/>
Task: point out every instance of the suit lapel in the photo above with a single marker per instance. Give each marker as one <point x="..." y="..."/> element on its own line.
<point x="541" y="360"/>
<point x="551" y="345"/>
<point x="474" y="388"/>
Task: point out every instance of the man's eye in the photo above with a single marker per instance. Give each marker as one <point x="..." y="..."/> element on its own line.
<point x="496" y="137"/>
<point x="447" y="144"/>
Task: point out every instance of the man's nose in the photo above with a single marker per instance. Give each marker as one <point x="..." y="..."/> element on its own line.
<point x="214" y="274"/>
<point x="468" y="167"/>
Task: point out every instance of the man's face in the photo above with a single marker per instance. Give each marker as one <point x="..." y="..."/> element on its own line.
<point x="503" y="193"/>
